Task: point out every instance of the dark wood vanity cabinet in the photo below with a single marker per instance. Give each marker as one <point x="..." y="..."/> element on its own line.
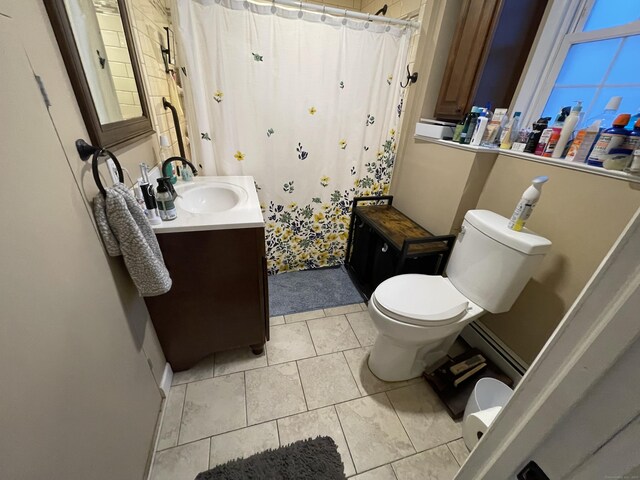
<point x="219" y="297"/>
<point x="488" y="53"/>
<point x="384" y="242"/>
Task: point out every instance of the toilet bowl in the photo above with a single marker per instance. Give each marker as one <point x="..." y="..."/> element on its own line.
<point x="418" y="317"/>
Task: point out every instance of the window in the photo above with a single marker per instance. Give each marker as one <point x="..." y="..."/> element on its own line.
<point x="587" y="51"/>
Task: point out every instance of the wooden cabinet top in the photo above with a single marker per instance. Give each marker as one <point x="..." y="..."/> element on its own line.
<point x="396" y="227"/>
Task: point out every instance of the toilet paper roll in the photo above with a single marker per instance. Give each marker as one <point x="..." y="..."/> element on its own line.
<point x="477" y="425"/>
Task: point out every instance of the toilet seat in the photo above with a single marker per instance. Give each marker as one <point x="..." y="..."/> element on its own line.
<point x="424" y="300"/>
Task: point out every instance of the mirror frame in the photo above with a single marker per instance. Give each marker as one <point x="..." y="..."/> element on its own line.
<point x="107" y="135"/>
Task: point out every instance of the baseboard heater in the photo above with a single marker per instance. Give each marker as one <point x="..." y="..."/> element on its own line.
<point x="479" y="336"/>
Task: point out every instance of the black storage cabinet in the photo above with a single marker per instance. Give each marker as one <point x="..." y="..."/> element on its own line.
<point x="383" y="242"/>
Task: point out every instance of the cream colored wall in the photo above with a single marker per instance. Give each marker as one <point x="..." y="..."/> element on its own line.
<point x="582" y="214"/>
<point x="42" y="48"/>
<point x="79" y="399"/>
<point x="429" y="180"/>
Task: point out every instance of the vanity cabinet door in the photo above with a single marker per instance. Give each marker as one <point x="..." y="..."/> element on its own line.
<point x="218" y="300"/>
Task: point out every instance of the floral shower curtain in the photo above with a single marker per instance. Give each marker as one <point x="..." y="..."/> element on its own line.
<point x="308" y="104"/>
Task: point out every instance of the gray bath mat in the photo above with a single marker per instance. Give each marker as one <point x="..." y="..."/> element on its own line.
<point x="312" y="459"/>
<point x="295" y="292"/>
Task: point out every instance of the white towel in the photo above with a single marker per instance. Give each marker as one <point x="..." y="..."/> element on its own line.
<point x="126" y="231"/>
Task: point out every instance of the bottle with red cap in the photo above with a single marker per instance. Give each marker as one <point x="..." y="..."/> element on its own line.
<point x="609" y="139"/>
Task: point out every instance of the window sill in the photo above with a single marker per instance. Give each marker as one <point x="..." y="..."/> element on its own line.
<point x="583" y="167"/>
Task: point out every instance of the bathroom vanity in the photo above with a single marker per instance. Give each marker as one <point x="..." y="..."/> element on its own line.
<point x="215" y="253"/>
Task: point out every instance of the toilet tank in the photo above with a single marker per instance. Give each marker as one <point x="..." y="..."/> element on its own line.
<point x="490" y="263"/>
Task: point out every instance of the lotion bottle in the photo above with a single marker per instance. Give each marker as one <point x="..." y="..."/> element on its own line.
<point x="481" y="126"/>
<point x="525" y="206"/>
<point x="567" y="130"/>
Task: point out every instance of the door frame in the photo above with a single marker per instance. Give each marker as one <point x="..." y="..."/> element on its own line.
<point x="598" y="328"/>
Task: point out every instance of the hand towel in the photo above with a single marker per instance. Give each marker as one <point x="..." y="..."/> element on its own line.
<point x="126" y="231"/>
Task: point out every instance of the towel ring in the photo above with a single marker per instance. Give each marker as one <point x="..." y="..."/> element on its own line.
<point x="85" y="151"/>
<point x="94" y="168"/>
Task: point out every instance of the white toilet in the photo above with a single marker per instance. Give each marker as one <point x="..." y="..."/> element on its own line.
<point x="418" y="317"/>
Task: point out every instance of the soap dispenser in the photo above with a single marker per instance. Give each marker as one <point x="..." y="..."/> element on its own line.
<point x="166" y="204"/>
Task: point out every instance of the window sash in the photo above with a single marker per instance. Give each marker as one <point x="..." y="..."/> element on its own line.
<point x="565" y="20"/>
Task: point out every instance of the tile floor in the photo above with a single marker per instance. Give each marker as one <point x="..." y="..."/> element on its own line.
<point x="312" y="380"/>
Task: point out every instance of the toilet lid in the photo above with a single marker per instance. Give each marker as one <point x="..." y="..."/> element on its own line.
<point x="428" y="298"/>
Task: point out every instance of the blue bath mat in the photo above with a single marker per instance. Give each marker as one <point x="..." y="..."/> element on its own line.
<point x="295" y="292"/>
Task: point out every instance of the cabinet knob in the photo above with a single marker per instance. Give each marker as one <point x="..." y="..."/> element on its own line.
<point x="384" y="248"/>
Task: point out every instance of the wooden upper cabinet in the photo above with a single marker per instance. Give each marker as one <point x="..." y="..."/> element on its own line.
<point x="488" y="53"/>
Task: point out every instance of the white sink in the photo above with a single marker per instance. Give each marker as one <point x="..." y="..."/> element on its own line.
<point x="215" y="203"/>
<point x="210" y="197"/>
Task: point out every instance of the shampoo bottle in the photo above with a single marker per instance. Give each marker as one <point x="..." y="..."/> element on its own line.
<point x="525" y="206"/>
<point x="609" y="139"/>
<point x="556" y="131"/>
<point x="567" y="130"/>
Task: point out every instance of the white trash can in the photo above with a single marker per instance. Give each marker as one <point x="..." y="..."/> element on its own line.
<point x="487" y="399"/>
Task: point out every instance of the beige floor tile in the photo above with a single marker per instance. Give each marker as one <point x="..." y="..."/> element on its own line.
<point x="278" y="320"/>
<point x="243" y="443"/>
<point x="363" y="306"/>
<point x="302" y="316"/>
<point x="423" y="416"/>
<point x="435" y="464"/>
<point x="181" y="463"/>
<point x="355" y="307"/>
<point x="332" y="334"/>
<point x="381" y="473"/>
<point x="374" y="434"/>
<point x="327" y="380"/>
<point x="213" y="406"/>
<point x="367" y="382"/>
<point x="289" y="342"/>
<point x="363" y="327"/>
<point x="200" y="371"/>
<point x="323" y="421"/>
<point x="238" y="360"/>
<point x="459" y="450"/>
<point x="274" y="392"/>
<point x="170" y="429"/>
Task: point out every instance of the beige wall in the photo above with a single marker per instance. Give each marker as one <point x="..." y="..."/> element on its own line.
<point x="79" y="399"/>
<point x="425" y="175"/>
<point x="582" y="214"/>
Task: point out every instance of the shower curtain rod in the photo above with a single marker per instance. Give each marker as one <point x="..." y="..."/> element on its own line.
<point x="340" y="12"/>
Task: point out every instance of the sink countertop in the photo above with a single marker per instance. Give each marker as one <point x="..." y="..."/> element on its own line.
<point x="246" y="214"/>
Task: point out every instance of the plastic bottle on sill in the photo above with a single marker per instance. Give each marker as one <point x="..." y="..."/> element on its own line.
<point x="583" y="143"/>
<point x="481" y="127"/>
<point x="607" y="116"/>
<point x="567" y="130"/>
<point x="556" y="131"/>
<point x="511" y="132"/>
<point x="609" y="139"/>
